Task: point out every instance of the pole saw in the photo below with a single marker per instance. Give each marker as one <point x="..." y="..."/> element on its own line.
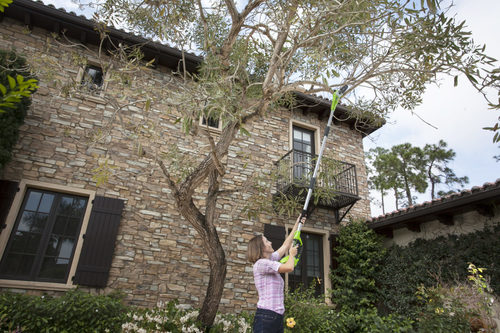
<point x="296" y="237"/>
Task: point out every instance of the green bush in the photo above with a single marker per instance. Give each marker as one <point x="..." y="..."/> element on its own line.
<point x="309" y="312"/>
<point x="174" y="319"/>
<point x="360" y="252"/>
<point x="423" y="262"/>
<point x="75" y="311"/>
<point x="12" y="65"/>
<point x="369" y="321"/>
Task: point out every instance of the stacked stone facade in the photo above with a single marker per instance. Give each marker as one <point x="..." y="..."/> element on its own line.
<point x="158" y="255"/>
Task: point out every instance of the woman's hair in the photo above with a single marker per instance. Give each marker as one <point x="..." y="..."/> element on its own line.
<point x="255" y="247"/>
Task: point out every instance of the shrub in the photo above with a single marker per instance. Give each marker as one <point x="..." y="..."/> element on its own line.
<point x="12" y="65"/>
<point x="404" y="269"/>
<point x="174" y="319"/>
<point x="461" y="307"/>
<point x="369" y="321"/>
<point x="359" y="254"/>
<point x="75" y="311"/>
<point x="309" y="312"/>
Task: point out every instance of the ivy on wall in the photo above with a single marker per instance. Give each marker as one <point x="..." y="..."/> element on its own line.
<point x="444" y="259"/>
<point x="12" y="65"/>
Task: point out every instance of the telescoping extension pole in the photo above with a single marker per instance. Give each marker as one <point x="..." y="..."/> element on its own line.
<point x="296" y="238"/>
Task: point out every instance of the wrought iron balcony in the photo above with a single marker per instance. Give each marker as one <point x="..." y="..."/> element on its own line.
<point x="336" y="183"/>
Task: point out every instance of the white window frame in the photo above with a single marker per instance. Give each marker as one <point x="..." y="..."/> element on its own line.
<point x="24" y="185"/>
<point x="210" y="128"/>
<point x="307" y="126"/>
<point x="105" y="80"/>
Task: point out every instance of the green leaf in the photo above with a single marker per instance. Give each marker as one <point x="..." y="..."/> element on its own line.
<point x="20" y="79"/>
<point x="12" y="82"/>
<point x="244" y="131"/>
<point x="3" y="89"/>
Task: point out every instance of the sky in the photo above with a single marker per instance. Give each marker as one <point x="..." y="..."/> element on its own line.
<point x="457" y="114"/>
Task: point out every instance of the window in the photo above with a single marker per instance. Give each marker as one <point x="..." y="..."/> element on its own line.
<point x="303" y="153"/>
<point x="44" y="237"/>
<point x="310" y="266"/>
<point x="315" y="260"/>
<point x="212" y="122"/>
<point x="92" y="78"/>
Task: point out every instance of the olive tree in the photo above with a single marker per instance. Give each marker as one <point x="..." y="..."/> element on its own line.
<point x="257" y="53"/>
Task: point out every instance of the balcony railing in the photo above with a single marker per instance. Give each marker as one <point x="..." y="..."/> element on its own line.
<point x="336" y="183"/>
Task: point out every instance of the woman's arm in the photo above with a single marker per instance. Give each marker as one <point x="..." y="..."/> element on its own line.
<point x="290" y="263"/>
<point x="288" y="241"/>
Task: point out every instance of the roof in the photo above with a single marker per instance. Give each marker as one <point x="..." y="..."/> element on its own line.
<point x="478" y="198"/>
<point x="36" y="13"/>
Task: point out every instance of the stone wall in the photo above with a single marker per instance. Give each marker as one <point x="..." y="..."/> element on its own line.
<point x="158" y="256"/>
<point x="463" y="223"/>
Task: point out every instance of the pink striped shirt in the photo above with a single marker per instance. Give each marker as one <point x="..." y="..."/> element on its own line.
<point x="269" y="284"/>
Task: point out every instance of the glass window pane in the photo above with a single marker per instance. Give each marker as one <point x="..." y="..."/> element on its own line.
<point x="66" y="248"/>
<point x="53" y="268"/>
<point x="297" y="134"/>
<point x="60" y="225"/>
<point x="65" y="206"/>
<point x="23" y="254"/>
<point x="52" y="246"/>
<point x="39" y="223"/>
<point x="33" y="201"/>
<point x="25" y="243"/>
<point x="93" y="75"/>
<point x="18" y="264"/>
<point x="46" y="203"/>
<point x="26" y="222"/>
<point x="306" y="137"/>
<point x="72" y="227"/>
<point x="80" y="205"/>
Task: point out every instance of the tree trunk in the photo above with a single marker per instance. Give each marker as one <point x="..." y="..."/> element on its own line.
<point x="215" y="287"/>
<point x="383" y="206"/>
<point x="396" y="196"/>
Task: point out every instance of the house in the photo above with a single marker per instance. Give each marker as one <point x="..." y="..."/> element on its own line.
<point x="454" y="214"/>
<point x="61" y="230"/>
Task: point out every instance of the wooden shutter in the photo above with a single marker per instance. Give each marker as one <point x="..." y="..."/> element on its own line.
<point x="8" y="190"/>
<point x="275" y="234"/>
<point x="99" y="243"/>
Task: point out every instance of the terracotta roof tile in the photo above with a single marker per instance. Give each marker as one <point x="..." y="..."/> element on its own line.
<point x="475" y="190"/>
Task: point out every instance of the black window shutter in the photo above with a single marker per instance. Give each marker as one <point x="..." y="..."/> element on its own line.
<point x="8" y="190"/>
<point x="99" y="242"/>
<point x="275" y="234"/>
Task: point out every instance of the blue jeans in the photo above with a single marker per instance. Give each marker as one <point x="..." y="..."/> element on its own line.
<point x="267" y="321"/>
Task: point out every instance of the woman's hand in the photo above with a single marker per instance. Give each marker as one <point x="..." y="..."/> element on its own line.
<point x="289" y="240"/>
<point x="290" y="264"/>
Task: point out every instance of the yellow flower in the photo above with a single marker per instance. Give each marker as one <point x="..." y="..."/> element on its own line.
<point x="439" y="310"/>
<point x="290" y="322"/>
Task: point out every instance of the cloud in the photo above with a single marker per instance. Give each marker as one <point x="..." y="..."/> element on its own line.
<point x="459" y="113"/>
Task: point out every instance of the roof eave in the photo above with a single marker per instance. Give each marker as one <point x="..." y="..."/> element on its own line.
<point x="431" y="212"/>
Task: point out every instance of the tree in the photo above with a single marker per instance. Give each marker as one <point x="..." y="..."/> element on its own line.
<point x="407" y="161"/>
<point x="256" y="54"/>
<point x="381" y="174"/>
<point x="399" y="169"/>
<point x="436" y="160"/>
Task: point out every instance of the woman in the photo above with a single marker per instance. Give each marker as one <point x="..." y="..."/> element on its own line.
<point x="268" y="281"/>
